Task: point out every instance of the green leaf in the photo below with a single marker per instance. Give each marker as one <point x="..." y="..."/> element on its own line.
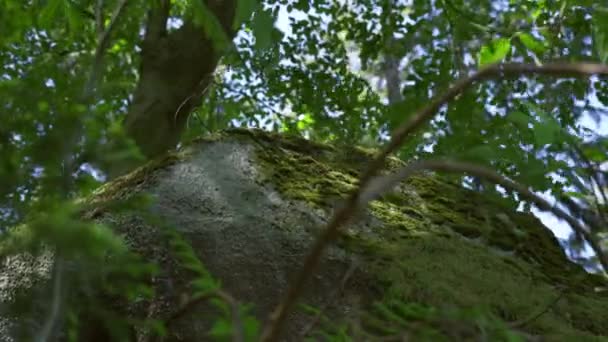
<point x="600" y="33"/>
<point x="494" y="52"/>
<point x="244" y="9"/>
<point x="574" y="194"/>
<point x="251" y="327"/>
<point x="221" y="329"/>
<point x="263" y="24"/>
<point x="546" y="133"/>
<point x="519" y="118"/>
<point x="305" y="121"/>
<point x="50" y="12"/>
<point x="480" y="153"/>
<point x="75" y="17"/>
<point x="535" y="45"/>
<point x="548" y="129"/>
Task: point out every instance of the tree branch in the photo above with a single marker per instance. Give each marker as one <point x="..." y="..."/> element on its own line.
<point x="383" y="184"/>
<point x="57" y="301"/>
<point x="345" y="213"/>
<point x="156" y="27"/>
<point x="99" y="25"/>
<point x="102" y="46"/>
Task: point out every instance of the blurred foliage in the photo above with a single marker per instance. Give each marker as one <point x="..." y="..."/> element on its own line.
<point x="398" y="321"/>
<point x="312" y="68"/>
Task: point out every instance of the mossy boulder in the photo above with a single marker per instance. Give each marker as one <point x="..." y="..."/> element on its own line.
<point x="430" y="261"/>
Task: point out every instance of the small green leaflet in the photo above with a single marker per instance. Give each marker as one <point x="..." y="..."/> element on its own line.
<point x="595" y="154"/>
<point x="480" y="153"/>
<point x="546" y="131"/>
<point x="531" y="43"/>
<point x="574" y="194"/>
<point x="263" y="24"/>
<point x="305" y="121"/>
<point x="519" y="118"/>
<point x="600" y="33"/>
<point x="50" y="12"/>
<point x="221" y="329"/>
<point x="494" y="52"/>
<point x="244" y="9"/>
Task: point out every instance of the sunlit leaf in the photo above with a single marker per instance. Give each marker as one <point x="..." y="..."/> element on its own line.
<point x="244" y="9"/>
<point x="494" y="52"/>
<point x="600" y="33"/>
<point x="263" y="24"/>
<point x="532" y="43"/>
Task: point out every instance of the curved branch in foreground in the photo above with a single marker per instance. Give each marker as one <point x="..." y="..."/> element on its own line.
<point x="380" y="185"/>
<point x="422" y="116"/>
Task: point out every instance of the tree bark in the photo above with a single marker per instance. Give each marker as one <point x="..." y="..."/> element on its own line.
<point x="176" y="67"/>
<point x="393" y="81"/>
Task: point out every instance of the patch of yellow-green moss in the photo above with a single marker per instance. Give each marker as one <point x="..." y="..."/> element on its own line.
<point x="434" y="238"/>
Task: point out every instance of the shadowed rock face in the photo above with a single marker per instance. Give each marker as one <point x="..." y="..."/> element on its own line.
<point x="250" y="204"/>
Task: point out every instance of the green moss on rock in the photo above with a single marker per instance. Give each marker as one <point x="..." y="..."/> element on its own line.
<point x="442" y="245"/>
<point x="439" y="249"/>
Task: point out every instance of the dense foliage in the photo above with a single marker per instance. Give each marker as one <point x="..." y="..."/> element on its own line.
<point x="341" y="71"/>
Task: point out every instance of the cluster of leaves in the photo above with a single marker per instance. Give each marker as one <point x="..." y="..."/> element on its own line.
<point x="76" y="294"/>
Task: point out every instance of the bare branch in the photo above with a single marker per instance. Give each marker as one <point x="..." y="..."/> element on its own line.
<point x="57" y="301"/>
<point x="593" y="178"/>
<point x="99" y="25"/>
<point x="345" y="213"/>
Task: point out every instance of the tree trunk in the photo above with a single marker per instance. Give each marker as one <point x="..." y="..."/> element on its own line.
<point x="393" y="81"/>
<point x="176" y="69"/>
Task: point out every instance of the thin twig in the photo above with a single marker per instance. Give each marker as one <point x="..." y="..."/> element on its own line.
<point x="593" y="175"/>
<point x="99" y="25"/>
<point x="48" y="327"/>
<point x="345" y="213"/>
<point x="383" y="184"/>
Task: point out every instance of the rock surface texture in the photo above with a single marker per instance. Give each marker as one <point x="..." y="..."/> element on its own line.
<point x="430" y="261"/>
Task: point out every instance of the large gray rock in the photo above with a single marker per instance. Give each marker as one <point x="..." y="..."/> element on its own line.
<point x="446" y="262"/>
